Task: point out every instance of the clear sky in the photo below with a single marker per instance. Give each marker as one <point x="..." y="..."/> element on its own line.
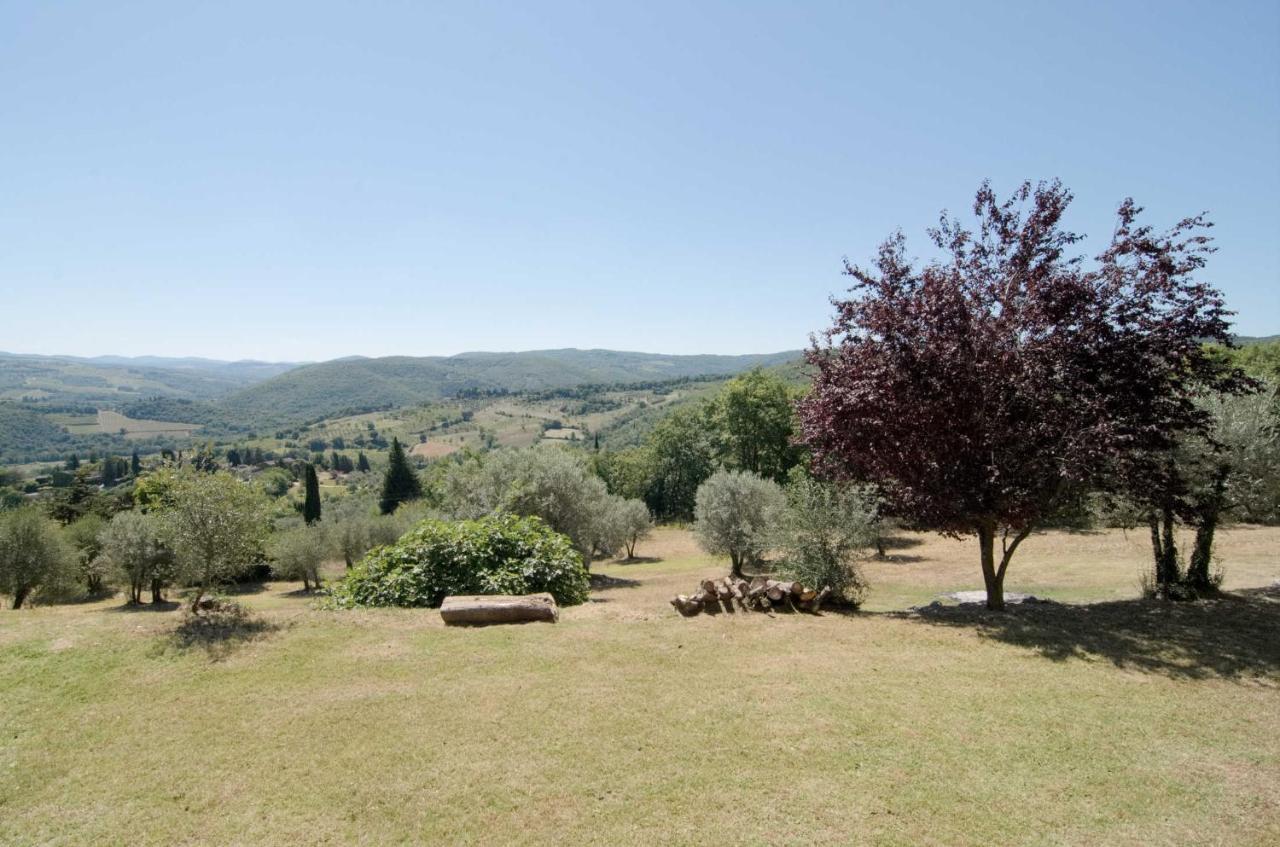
<point x="311" y="180"/>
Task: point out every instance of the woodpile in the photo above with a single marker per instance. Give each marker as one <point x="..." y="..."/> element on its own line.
<point x="477" y="610"/>
<point x="759" y="595"/>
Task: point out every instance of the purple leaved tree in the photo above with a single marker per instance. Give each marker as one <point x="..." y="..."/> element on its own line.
<point x="983" y="389"/>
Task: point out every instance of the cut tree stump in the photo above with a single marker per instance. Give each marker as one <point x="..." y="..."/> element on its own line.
<point x="480" y="609"/>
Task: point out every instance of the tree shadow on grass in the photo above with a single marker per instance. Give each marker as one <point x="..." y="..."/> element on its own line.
<point x="901" y="559"/>
<point x="604" y="582"/>
<point x="900" y="542"/>
<point x="306" y="593"/>
<point x="219" y="630"/>
<point x="241" y="588"/>
<point x="147" y="606"/>
<point x="1230" y="636"/>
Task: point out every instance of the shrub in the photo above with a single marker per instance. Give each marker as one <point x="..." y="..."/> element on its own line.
<point x="822" y="532"/>
<point x="492" y="555"/>
<point x="275" y="482"/>
<point x="737" y="515"/>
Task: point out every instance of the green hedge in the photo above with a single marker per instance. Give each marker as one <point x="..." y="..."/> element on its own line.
<point x="493" y="555"/>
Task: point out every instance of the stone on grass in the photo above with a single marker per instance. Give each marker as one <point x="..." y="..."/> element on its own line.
<point x="967" y="597"/>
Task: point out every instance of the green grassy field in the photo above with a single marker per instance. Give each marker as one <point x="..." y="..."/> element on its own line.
<point x="1120" y="722"/>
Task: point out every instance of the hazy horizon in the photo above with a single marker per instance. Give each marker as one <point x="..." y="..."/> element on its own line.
<point x="303" y="182"/>
<point x="221" y="360"/>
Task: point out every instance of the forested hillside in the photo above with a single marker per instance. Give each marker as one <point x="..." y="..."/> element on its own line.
<point x="107" y="381"/>
<point x="354" y="385"/>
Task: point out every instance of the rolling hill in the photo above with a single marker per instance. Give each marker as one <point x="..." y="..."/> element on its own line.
<point x="343" y="386"/>
<point x="111" y="380"/>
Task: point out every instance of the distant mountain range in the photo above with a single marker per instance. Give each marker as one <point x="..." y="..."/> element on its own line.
<point x="241" y="370"/>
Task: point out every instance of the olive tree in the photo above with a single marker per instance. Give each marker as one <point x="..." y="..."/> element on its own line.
<point x="299" y="552"/>
<point x="822" y="532"/>
<point x="355" y="529"/>
<point x="634" y="523"/>
<point x="83" y="535"/>
<point x="133" y="547"/>
<point x="546" y="482"/>
<point x="736" y="514"/>
<point x="33" y="554"/>
<point x="215" y="525"/>
<point x="1232" y="472"/>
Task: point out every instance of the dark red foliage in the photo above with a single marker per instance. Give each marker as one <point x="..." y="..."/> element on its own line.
<point x="981" y="389"/>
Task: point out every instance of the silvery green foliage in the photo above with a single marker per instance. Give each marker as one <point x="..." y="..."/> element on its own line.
<point x="1248" y="428"/>
<point x="299" y="552"/>
<point x="356" y="527"/>
<point x="825" y="528"/>
<point x="34" y="555"/>
<point x="634" y="523"/>
<point x="546" y="482"/>
<point x="736" y="514"/>
<point x="133" y="548"/>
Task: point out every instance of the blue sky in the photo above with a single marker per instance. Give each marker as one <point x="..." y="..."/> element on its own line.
<point x="311" y="180"/>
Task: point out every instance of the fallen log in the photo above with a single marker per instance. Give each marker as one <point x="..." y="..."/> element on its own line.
<point x="480" y="609"/>
<point x="814" y="604"/>
<point x="803" y="594"/>
<point x="760" y="594"/>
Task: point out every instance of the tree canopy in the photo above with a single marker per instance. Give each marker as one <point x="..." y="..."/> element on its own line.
<point x="980" y="389"/>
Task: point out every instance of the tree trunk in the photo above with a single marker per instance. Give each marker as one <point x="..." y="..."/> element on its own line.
<point x="1167" y="566"/>
<point x="19" y="595"/>
<point x="994" y="579"/>
<point x="1202" y="552"/>
<point x="157" y="592"/>
<point x="1157" y="550"/>
<point x="735" y="562"/>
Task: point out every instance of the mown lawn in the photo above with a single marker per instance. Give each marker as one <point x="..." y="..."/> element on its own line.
<point x="1114" y="723"/>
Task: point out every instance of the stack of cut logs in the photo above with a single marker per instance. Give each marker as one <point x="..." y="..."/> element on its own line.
<point x="760" y="594"/>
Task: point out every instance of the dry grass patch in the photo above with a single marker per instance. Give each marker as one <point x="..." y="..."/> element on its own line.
<point x="625" y="723"/>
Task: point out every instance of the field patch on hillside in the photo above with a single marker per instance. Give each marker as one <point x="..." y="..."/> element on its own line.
<point x="109" y="421"/>
<point x="432" y="449"/>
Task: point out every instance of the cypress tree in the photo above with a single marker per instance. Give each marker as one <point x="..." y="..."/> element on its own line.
<point x="362" y="463"/>
<point x="108" y="471"/>
<point x="135" y="464"/>
<point x="400" y="483"/>
<point x="311" y="506"/>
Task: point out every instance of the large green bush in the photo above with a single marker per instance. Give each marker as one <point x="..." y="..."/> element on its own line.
<point x="503" y="554"/>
